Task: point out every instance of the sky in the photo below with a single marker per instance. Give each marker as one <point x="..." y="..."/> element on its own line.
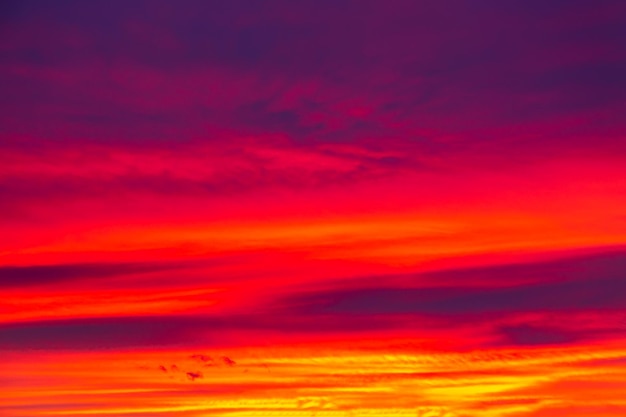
<point x="313" y="208"/>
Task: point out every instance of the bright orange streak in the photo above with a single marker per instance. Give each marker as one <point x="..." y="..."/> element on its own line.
<point x="24" y="306"/>
<point x="344" y="381"/>
<point x="390" y="240"/>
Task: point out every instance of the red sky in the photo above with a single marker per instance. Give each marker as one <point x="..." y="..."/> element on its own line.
<point x="299" y="208"/>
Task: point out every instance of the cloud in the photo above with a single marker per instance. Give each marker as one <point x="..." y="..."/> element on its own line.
<point x="168" y="331"/>
<point x="525" y="335"/>
<point x="576" y="295"/>
<point x="192" y="376"/>
<point x="207" y="72"/>
<point x="22" y="276"/>
<point x="201" y="358"/>
<point x="593" y="282"/>
<point x="545" y="302"/>
<point x="228" y="361"/>
<point x="99" y="333"/>
<point x="538" y="303"/>
<point x="603" y="264"/>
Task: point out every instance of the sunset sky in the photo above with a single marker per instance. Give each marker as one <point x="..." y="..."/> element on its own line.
<point x="313" y="208"/>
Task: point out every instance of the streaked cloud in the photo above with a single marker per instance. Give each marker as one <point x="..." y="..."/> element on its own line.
<point x="340" y="208"/>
